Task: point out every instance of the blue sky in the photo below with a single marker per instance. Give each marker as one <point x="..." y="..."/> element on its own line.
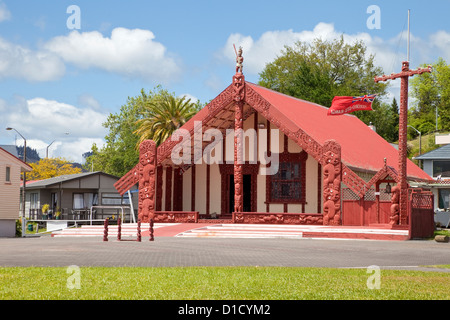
<point x="55" y="80"/>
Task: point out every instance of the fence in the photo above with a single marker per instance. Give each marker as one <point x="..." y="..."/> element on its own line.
<point x="421" y="213"/>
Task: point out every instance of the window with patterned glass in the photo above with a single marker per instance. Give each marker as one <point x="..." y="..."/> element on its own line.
<point x="286" y="183"/>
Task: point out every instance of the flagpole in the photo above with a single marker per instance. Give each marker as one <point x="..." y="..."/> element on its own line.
<point x="408" y="35"/>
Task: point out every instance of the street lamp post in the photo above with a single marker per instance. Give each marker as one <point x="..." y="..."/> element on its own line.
<point x="420" y="139"/>
<point x="24" y="173"/>
<point x="46" y="155"/>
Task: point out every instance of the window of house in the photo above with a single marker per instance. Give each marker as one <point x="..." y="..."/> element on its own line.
<point x="113" y="199"/>
<point x="34" y="201"/>
<point x="286" y="184"/>
<point x="444" y="195"/>
<point x="441" y="168"/>
<point x="84" y="200"/>
<point x="8" y="174"/>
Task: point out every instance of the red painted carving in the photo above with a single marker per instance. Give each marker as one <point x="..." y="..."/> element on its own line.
<point x="147" y="177"/>
<point x="127" y="181"/>
<point x="238" y="87"/>
<point x="238" y="157"/>
<point x="176" y="216"/>
<point x="331" y="183"/>
<point x="277" y="218"/>
<point x="395" y="210"/>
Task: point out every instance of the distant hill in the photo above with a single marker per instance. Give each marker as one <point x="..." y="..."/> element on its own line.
<point x="32" y="154"/>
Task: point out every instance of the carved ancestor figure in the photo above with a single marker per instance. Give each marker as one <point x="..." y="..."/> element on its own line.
<point x="239" y="60"/>
<point x="395" y="208"/>
<point x="331" y="183"/>
<point x="147" y="177"/>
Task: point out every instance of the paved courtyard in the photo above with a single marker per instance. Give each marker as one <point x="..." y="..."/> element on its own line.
<point x="173" y="251"/>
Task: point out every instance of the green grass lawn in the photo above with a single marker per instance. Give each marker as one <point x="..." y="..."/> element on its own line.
<point x="219" y="283"/>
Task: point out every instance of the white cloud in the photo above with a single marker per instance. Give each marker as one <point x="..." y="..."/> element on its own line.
<point x="133" y="53"/>
<point x="22" y="63"/>
<point x="189" y="96"/>
<point x="4" y="12"/>
<point x="388" y="53"/>
<point x="43" y="121"/>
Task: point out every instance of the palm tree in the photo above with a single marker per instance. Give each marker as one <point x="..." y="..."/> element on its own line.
<point x="161" y="117"/>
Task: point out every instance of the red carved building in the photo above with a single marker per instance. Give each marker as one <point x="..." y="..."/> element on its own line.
<point x="331" y="170"/>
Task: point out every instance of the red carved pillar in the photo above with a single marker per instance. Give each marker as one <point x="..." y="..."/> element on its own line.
<point x="238" y="158"/>
<point x="404" y="75"/>
<point x="147" y="177"/>
<point x="239" y="92"/>
<point x="332" y="178"/>
<point x="402" y="138"/>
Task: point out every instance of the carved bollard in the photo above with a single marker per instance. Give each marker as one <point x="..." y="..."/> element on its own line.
<point x="119" y="229"/>
<point x="139" y="237"/>
<point x="105" y="230"/>
<point x="151" y="231"/>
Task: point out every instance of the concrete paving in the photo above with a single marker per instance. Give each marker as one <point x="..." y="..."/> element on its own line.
<point x="185" y="252"/>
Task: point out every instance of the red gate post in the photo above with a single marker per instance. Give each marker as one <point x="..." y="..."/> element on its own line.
<point x="105" y="230"/>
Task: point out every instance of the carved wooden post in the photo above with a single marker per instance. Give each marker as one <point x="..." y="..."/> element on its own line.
<point x="139" y="237"/>
<point x="152" y="238"/>
<point x="147" y="177"/>
<point x="105" y="230"/>
<point x="332" y="178"/>
<point x="402" y="136"/>
<point x="239" y="83"/>
<point x="119" y="229"/>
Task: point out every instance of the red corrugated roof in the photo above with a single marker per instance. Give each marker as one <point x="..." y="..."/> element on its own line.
<point x="361" y="147"/>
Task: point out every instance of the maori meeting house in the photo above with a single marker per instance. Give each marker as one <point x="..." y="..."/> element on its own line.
<point x="331" y="170"/>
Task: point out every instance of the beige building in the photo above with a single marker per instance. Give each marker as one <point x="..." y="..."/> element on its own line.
<point x="73" y="195"/>
<point x="11" y="168"/>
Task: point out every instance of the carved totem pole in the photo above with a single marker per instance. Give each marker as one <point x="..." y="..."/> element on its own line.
<point x="402" y="136"/>
<point x="147" y="174"/>
<point x="332" y="178"/>
<point x="238" y="97"/>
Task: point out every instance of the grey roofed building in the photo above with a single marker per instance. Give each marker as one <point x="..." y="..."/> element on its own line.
<point x="437" y="164"/>
<point x="442" y="153"/>
<point x="73" y="194"/>
<point x="11" y="149"/>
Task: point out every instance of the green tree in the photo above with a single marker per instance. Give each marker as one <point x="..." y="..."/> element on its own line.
<point x="162" y="116"/>
<point x="319" y="71"/>
<point x="120" y="154"/>
<point x="323" y="69"/>
<point x="431" y="93"/>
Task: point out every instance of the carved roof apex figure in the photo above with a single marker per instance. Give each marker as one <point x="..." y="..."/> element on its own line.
<point x="239" y="60"/>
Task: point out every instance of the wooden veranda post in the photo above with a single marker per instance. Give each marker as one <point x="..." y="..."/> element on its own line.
<point x="402" y="216"/>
